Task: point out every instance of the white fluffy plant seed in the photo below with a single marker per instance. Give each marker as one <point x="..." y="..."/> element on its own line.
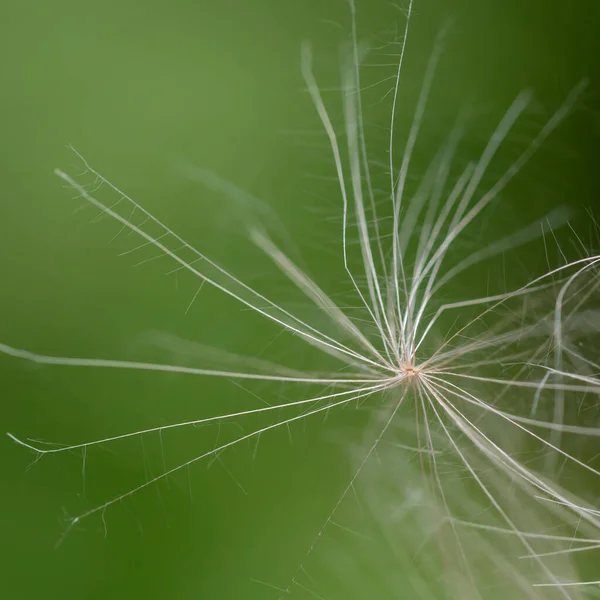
<point x="473" y="479"/>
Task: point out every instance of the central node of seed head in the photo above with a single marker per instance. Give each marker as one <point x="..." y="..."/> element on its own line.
<point x="408" y="372"/>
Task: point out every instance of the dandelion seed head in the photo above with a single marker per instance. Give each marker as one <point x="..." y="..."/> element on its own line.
<point x="477" y="398"/>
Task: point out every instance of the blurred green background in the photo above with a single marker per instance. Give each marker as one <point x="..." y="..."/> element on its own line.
<point x="140" y="88"/>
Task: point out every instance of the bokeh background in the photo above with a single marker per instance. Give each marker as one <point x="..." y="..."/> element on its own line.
<point x="140" y="89"/>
